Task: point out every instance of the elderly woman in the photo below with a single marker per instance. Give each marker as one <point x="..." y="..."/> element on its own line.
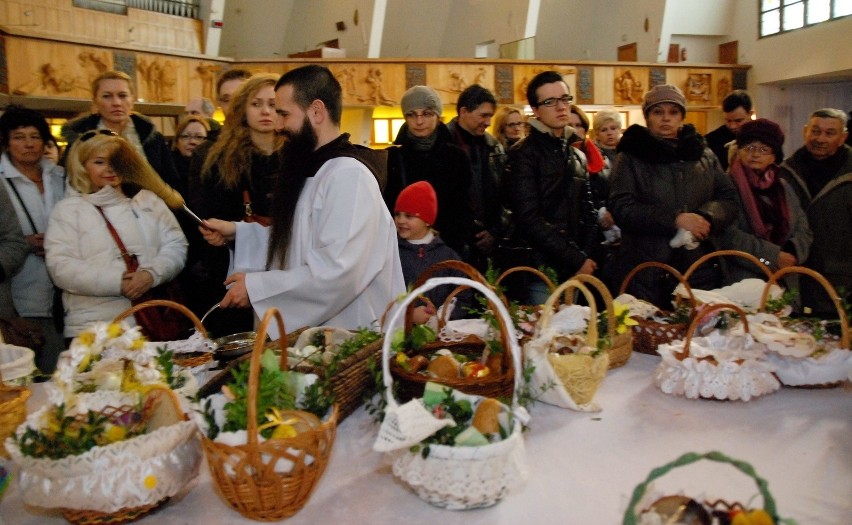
<point x="34" y="185"/>
<point x="190" y="133"/>
<point x="112" y="95"/>
<point x="83" y="254"/>
<point x="772" y="225"/>
<point x="667" y="188"/>
<point x="508" y="126"/>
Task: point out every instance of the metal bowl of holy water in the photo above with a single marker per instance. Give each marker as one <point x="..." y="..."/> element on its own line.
<point x="230" y="347"/>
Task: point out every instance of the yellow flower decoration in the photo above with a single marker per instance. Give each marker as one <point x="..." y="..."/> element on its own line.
<point x="138" y="343"/>
<point x="623" y="321"/>
<point x="86" y="338"/>
<point x="283" y="427"/>
<point x="114" y="433"/>
<point x="150" y="482"/>
<point x="114" y="330"/>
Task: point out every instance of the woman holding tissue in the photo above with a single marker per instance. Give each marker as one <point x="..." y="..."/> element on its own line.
<point x="670" y="197"/>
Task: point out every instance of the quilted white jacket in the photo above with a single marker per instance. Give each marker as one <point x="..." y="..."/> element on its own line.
<point x="84" y="260"/>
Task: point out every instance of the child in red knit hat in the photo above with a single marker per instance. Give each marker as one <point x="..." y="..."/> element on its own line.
<point x="420" y="246"/>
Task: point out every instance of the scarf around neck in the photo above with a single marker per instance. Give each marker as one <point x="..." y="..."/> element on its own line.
<point x="764" y="201"/>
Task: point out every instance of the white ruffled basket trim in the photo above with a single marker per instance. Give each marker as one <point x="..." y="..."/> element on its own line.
<point x="830" y="368"/>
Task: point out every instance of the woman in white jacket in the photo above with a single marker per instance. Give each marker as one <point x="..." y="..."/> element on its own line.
<point x="83" y="258"/>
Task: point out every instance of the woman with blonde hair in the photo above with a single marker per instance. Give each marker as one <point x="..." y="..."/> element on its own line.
<point x="508" y="126"/>
<point x="81" y="244"/>
<point x="234" y="180"/>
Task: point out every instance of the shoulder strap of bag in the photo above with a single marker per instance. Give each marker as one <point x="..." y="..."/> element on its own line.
<point x="23" y="206"/>
<point x="129" y="259"/>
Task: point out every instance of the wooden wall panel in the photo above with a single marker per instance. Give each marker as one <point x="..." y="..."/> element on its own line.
<point x="524" y="74"/>
<point x="45" y="69"/>
<point x="449" y="80"/>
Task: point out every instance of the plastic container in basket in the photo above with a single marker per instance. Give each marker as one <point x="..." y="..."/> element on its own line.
<point x="648" y="334"/>
<point x="662" y="511"/>
<point x="499" y="383"/>
<point x="124" y="480"/>
<point x="570" y="380"/>
<point x="729" y="366"/>
<point x="197" y="350"/>
<point x="252" y="477"/>
<point x="451" y="477"/>
<point x="824" y="371"/>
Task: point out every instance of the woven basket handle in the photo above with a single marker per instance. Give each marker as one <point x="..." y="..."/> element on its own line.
<point x="607" y="298"/>
<point x="662" y="266"/>
<point x="527" y="269"/>
<point x="507" y="330"/>
<point x="829" y="289"/>
<point x="704" y="313"/>
<point x="462" y="267"/>
<point x="719" y="253"/>
<point x="630" y="517"/>
<point x="163" y="302"/>
<point x="550" y="306"/>
<point x="254" y="368"/>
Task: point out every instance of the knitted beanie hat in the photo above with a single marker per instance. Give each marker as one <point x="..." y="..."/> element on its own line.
<point x="663" y="93"/>
<point x="763" y="130"/>
<point x="418" y="199"/>
<point x="421" y="97"/>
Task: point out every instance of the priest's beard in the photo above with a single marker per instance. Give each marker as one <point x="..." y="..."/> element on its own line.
<point x="297" y="156"/>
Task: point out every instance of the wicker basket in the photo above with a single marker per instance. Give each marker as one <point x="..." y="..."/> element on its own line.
<point x="499" y="383"/>
<point x="122" y="481"/>
<point x="533" y="310"/>
<point x="246" y="475"/>
<point x="13" y="411"/>
<point x="620" y="345"/>
<point x="352" y="379"/>
<point x="566" y="380"/>
<point x="648" y="334"/>
<point x="631" y="515"/>
<point x="462" y="477"/>
<point x="705" y="377"/>
<point x="722" y="253"/>
<point x="811" y="372"/>
<point x="190" y="360"/>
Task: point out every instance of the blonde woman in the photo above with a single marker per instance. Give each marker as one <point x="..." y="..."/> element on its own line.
<point x="508" y="126"/>
<point x="82" y="255"/>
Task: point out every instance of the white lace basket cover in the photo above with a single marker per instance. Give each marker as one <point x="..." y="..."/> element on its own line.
<point x="451" y="477"/>
<point x="725" y="366"/>
<point x="132" y="473"/>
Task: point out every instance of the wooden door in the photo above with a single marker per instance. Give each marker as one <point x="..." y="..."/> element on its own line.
<point x="628" y="53"/>
<point x="729" y="52"/>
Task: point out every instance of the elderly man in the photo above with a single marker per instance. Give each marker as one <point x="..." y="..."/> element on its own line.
<point x="204" y="108"/>
<point x="737" y="110"/>
<point x="476" y="106"/>
<point x="821" y="173"/>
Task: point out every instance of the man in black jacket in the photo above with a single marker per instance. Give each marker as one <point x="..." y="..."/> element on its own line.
<point x="547" y="185"/>
<point x="736" y="108"/>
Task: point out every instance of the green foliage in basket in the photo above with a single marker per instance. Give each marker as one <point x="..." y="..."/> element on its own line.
<point x="64" y="435"/>
<point x="775" y="305"/>
<point x="165" y="360"/>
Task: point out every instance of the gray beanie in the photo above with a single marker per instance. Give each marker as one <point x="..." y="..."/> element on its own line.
<point x="664" y="93"/>
<point x="421" y="97"/>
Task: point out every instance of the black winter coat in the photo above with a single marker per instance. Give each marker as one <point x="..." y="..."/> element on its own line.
<point x="653" y="181"/>
<point x="547" y="190"/>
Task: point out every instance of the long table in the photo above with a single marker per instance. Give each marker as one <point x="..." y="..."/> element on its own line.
<point x="584" y="466"/>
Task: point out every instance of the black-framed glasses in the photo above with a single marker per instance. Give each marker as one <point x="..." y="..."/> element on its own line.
<point x="91" y="133"/>
<point x="552" y="101"/>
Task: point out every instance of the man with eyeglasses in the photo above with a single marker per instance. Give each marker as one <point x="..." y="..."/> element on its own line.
<point x="476" y="106"/>
<point x="548" y="190"/>
<point x="821" y="173"/>
<point x="424" y="151"/>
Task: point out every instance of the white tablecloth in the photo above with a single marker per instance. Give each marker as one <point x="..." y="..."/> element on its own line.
<point x="583" y="467"/>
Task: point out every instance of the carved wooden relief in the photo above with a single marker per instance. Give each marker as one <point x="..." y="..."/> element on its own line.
<point x="159" y="77"/>
<point x="629" y="85"/>
<point x="723" y="89"/>
<point x="206" y="73"/>
<point x="370" y="85"/>
<point x="699" y="88"/>
<point x="48" y="70"/>
<point x="451" y="79"/>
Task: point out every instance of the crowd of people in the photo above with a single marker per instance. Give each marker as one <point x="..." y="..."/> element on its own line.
<point x="293" y="215"/>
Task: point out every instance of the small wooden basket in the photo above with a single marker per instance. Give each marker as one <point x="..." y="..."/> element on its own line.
<point x="534" y="309"/>
<point x="246" y="475"/>
<point x="648" y="334"/>
<point x="844" y="340"/>
<point x="190" y="360"/>
<point x="13" y="411"/>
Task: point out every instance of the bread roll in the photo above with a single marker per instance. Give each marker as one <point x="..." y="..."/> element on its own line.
<point x="485" y="418"/>
<point x="444" y="366"/>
